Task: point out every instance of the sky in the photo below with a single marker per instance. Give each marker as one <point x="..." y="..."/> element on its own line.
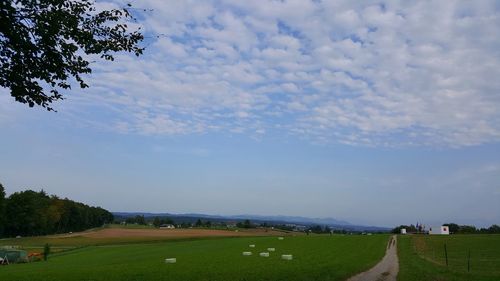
<point x="374" y="112"/>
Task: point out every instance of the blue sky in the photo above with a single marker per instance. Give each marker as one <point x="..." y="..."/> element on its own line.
<point x="373" y="113"/>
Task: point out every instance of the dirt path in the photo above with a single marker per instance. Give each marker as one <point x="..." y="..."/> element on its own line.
<point x="386" y="270"/>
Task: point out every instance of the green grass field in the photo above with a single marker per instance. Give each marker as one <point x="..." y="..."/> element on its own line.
<point x="315" y="258"/>
<point x="423" y="258"/>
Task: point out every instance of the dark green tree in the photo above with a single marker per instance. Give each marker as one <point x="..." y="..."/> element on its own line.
<point x="467" y="229"/>
<point x="315" y="229"/>
<point x="46" y="251"/>
<point x="167" y="221"/>
<point x="452" y="227"/>
<point x="198" y="223"/>
<point x="130" y="220"/>
<point x="43" y="44"/>
<point x="494" y="229"/>
<point x="157" y="222"/>
<point x="247" y="224"/>
<point x="25" y="212"/>
<point x="208" y="224"/>
<point x="30" y="213"/>
<point x="140" y="220"/>
<point x="409" y="229"/>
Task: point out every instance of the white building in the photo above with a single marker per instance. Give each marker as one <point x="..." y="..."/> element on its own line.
<point x="442" y="230"/>
<point x="403" y="230"/>
<point x="167" y="226"/>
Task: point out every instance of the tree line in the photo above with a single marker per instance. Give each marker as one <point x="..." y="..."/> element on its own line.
<point x="453" y="227"/>
<point x="30" y="213"/>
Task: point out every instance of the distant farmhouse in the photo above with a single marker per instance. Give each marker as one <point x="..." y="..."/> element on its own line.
<point x="422" y="229"/>
<point x="231" y="225"/>
<point x="439" y="230"/>
<point x="167" y="226"/>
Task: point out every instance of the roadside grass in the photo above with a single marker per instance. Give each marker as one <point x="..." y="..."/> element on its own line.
<point x="422" y="257"/>
<point x="321" y="257"/>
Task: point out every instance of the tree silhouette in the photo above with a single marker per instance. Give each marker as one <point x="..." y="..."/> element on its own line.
<point x="45" y="43"/>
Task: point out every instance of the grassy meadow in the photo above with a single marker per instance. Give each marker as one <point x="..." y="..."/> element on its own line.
<point x="422" y="257"/>
<point x="315" y="257"/>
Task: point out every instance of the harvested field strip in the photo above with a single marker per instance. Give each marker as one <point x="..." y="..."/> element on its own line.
<point x="105" y="236"/>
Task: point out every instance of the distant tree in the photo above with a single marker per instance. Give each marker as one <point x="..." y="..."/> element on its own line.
<point x="139" y="219"/>
<point x="198" y="223"/>
<point x="494" y="229"/>
<point x="186" y="225"/>
<point x="452" y="227"/>
<point x="208" y="224"/>
<point x="397" y="229"/>
<point x="467" y="229"/>
<point x="45" y="43"/>
<point x="167" y="221"/>
<point x="3" y="218"/>
<point x="157" y="222"/>
<point x="245" y="224"/>
<point x="409" y="228"/>
<point x="316" y="229"/>
<point x="327" y="229"/>
<point x="46" y="251"/>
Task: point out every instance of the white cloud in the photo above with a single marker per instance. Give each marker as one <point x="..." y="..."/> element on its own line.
<point x="397" y="73"/>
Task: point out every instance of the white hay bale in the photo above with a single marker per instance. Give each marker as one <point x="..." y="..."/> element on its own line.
<point x="251" y="245"/>
<point x="271" y="249"/>
<point x="171" y="260"/>
<point x="247" y="253"/>
<point x="287" y="257"/>
<point x="281" y="238"/>
<point x="264" y="254"/>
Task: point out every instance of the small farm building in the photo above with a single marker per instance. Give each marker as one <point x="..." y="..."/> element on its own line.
<point x="167" y="226"/>
<point x="403" y="230"/>
<point x="441" y="230"/>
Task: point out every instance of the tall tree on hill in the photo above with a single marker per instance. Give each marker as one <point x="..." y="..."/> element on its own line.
<point x="25" y="213"/>
<point x="35" y="213"/>
<point x="43" y="44"/>
<point x="3" y="219"/>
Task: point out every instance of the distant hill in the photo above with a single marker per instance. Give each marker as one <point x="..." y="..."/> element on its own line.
<point x="192" y="217"/>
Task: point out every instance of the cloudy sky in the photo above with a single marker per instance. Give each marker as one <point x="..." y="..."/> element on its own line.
<point x="377" y="113"/>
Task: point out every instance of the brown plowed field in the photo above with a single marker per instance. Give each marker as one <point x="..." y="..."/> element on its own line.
<point x="173" y="233"/>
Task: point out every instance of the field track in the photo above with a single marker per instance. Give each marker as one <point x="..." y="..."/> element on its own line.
<point x="386" y="270"/>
